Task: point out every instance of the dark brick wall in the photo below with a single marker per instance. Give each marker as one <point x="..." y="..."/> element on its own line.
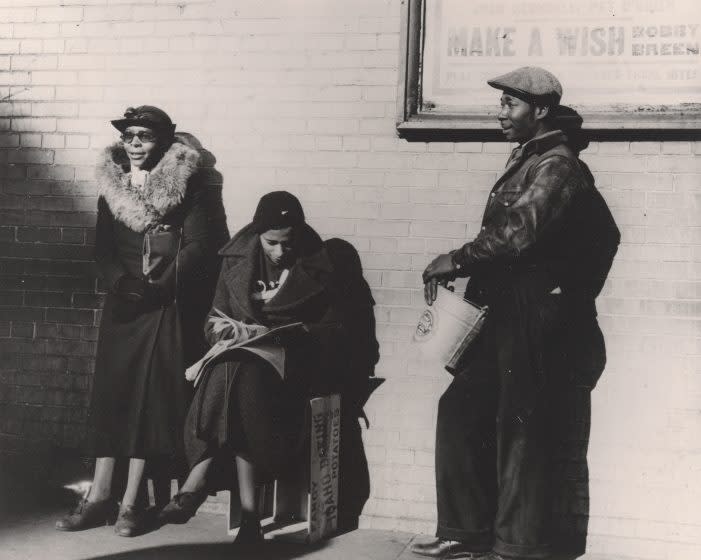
<point x="49" y="296"/>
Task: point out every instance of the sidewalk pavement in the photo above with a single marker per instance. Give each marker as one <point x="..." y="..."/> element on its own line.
<point x="29" y="510"/>
<point x="33" y="537"/>
<point x="204" y="537"/>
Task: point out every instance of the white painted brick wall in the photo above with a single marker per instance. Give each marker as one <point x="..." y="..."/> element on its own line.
<point x="301" y="96"/>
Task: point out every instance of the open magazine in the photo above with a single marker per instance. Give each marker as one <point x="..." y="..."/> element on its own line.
<point x="260" y="341"/>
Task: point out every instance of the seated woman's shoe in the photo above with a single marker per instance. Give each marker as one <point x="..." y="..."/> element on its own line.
<point x="87" y="515"/>
<point x="286" y="518"/>
<point x="181" y="508"/>
<point x="131" y="521"/>
<point x="250" y="532"/>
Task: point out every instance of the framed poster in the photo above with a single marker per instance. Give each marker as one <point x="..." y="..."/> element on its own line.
<point x="627" y="66"/>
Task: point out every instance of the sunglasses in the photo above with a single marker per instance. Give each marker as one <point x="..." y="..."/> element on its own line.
<point x="142" y="135"/>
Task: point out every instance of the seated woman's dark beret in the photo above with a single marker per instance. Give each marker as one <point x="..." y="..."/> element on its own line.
<point x="277" y="210"/>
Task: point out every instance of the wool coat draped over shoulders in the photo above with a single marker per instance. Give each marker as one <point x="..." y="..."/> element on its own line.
<point x="315" y="292"/>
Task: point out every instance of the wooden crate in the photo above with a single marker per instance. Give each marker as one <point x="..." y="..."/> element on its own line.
<point x="303" y="506"/>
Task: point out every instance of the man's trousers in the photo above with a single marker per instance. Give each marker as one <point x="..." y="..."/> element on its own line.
<point x="492" y="459"/>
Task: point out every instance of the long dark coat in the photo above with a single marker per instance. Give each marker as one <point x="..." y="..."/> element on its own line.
<point x="326" y="291"/>
<point x="139" y="396"/>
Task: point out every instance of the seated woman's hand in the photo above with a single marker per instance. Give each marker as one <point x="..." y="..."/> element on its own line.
<point x="251" y="331"/>
<point x="230" y="329"/>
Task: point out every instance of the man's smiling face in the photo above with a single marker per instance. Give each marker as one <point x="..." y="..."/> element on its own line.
<point x="517" y="119"/>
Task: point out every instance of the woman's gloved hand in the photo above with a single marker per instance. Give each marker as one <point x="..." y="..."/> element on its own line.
<point x="130" y="288"/>
<point x="138" y="296"/>
<point x="140" y="290"/>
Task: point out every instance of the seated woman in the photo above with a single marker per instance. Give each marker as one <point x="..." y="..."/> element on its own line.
<point x="275" y="271"/>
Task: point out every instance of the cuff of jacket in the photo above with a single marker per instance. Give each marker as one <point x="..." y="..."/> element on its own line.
<point x="460" y="260"/>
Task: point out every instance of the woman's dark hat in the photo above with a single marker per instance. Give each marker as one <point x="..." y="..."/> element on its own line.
<point x="530" y="83"/>
<point x="277" y="210"/>
<point x="148" y="116"/>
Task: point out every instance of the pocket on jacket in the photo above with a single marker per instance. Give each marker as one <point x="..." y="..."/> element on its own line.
<point x="506" y="197"/>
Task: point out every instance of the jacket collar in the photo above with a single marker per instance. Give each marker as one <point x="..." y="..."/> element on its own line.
<point x="543" y="143"/>
<point x="308" y="276"/>
<point x="535" y="146"/>
<point x="164" y="190"/>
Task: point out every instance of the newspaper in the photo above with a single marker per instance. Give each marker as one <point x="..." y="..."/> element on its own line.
<point x="256" y="339"/>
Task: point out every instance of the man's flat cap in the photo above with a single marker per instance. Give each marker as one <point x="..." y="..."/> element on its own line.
<point x="530" y="83"/>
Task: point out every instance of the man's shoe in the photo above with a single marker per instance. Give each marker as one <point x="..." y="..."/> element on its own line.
<point x="87" y="515"/>
<point x="181" y="508"/>
<point x="445" y="549"/>
<point x="132" y="521"/>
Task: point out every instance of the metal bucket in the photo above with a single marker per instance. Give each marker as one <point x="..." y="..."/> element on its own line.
<point x="447" y="328"/>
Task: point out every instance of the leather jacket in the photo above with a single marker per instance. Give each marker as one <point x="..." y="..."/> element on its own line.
<point x="526" y="205"/>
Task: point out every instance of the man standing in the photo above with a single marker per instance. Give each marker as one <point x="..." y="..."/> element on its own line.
<point x="538" y="265"/>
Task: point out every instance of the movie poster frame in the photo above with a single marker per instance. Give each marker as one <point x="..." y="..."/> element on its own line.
<point x="662" y="122"/>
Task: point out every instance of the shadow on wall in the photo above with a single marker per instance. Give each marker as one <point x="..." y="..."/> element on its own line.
<point x="570" y="473"/>
<point x="215" y="182"/>
<point x="570" y="469"/>
<point x="354" y="483"/>
<point x="196" y="306"/>
<point x="582" y="364"/>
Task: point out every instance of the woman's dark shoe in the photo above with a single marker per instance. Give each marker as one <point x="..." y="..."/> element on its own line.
<point x="132" y="521"/>
<point x="181" y="508"/>
<point x="87" y="515"/>
<point x="446" y="549"/>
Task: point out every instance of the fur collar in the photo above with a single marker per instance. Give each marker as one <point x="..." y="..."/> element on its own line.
<point x="164" y="189"/>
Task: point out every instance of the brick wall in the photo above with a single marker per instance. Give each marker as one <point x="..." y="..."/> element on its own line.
<point x="301" y="96"/>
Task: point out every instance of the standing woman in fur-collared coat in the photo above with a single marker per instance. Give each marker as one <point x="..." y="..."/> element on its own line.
<point x="150" y="187"/>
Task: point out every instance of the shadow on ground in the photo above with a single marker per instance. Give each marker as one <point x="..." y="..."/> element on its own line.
<point x="33" y="497"/>
<point x="269" y="551"/>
